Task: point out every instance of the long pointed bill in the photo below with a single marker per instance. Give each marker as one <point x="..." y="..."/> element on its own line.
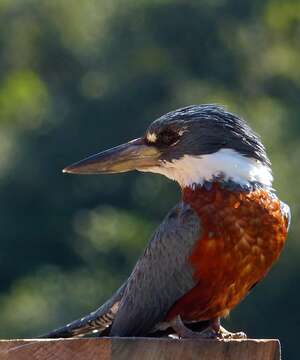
<point x="134" y="155"/>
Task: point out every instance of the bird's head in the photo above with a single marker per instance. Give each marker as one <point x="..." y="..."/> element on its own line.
<point x="191" y="145"/>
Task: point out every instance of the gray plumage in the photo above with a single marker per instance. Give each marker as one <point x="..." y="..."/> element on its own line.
<point x="160" y="278"/>
<point x="213" y="128"/>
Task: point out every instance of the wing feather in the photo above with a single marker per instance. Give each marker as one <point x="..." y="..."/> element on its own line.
<point x="161" y="276"/>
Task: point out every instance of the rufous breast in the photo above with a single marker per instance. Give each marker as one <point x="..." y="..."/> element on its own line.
<point x="243" y="233"/>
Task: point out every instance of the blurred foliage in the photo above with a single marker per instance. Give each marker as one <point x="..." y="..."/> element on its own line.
<point x="78" y="77"/>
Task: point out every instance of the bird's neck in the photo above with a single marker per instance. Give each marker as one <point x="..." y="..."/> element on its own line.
<point x="216" y="192"/>
<point x="226" y="164"/>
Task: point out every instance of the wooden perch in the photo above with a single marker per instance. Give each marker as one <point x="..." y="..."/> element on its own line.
<point x="138" y="349"/>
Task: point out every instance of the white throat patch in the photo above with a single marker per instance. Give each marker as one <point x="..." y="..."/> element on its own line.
<point x="191" y="170"/>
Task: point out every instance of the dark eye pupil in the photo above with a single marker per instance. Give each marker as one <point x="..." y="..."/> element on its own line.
<point x="168" y="137"/>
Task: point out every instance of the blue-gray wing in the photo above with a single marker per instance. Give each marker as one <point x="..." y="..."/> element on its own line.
<point x="161" y="276"/>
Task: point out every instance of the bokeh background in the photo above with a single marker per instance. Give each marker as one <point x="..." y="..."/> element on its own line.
<point x="77" y="77"/>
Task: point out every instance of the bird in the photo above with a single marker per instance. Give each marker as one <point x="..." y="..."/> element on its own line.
<point x="213" y="247"/>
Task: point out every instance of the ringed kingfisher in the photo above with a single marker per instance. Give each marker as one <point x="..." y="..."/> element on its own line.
<point x="213" y="247"/>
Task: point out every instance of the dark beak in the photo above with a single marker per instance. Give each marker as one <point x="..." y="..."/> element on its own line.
<point x="134" y="155"/>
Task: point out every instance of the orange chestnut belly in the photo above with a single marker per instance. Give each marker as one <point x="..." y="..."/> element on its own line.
<point x="225" y="278"/>
<point x="243" y="234"/>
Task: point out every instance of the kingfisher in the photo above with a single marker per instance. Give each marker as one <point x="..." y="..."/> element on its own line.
<point x="213" y="247"/>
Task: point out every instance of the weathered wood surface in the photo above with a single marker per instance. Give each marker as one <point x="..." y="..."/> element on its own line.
<point x="138" y="349"/>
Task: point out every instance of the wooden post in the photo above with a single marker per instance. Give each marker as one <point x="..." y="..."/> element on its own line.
<point x="138" y="349"/>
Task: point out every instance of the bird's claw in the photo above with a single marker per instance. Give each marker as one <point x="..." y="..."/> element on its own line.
<point x="212" y="332"/>
<point x="225" y="334"/>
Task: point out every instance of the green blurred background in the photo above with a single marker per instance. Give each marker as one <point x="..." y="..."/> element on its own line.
<point x="77" y="77"/>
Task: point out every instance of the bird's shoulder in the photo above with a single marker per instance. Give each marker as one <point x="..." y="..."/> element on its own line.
<point x="181" y="224"/>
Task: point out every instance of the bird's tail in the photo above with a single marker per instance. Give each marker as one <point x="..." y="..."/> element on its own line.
<point x="96" y="322"/>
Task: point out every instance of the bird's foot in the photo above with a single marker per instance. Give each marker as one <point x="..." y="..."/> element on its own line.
<point x="222" y="333"/>
<point x="213" y="331"/>
<point x="184" y="332"/>
<point x="225" y="334"/>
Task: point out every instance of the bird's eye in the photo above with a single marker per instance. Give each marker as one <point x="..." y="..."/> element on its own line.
<point x="167" y="137"/>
